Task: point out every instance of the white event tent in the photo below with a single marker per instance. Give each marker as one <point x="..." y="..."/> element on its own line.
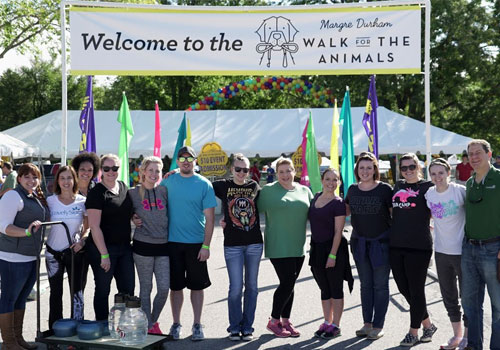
<point x="10" y="146"/>
<point x="264" y="132"/>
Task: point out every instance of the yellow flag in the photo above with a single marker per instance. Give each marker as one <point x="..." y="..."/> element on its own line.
<point x="188" y="133"/>
<point x="334" y="143"/>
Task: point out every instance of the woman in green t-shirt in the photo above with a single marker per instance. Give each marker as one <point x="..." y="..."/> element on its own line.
<point x="286" y="205"/>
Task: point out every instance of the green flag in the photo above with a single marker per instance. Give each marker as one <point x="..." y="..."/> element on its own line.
<point x="181" y="137"/>
<point x="312" y="158"/>
<point x="126" y="133"/>
<point x="347" y="162"/>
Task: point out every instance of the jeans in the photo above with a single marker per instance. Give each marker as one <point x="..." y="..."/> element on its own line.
<point x="122" y="269"/>
<point x="479" y="270"/>
<point x="374" y="288"/>
<point x="18" y="279"/>
<point x="245" y="257"/>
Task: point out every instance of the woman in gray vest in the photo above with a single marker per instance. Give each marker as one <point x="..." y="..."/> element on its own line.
<point x="23" y="211"/>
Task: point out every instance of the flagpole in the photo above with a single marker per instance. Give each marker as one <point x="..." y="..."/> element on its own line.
<point x="427" y="83"/>
<point x="64" y="114"/>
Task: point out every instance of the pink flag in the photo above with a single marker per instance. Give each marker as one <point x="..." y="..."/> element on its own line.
<point x="157" y="146"/>
<point x="304" y="177"/>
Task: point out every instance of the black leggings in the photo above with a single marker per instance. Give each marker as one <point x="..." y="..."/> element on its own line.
<point x="409" y="268"/>
<point x="288" y="270"/>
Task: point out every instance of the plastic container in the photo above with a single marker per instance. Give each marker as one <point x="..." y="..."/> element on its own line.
<point x="89" y="330"/>
<point x="115" y="314"/>
<point x="65" y="327"/>
<point x="133" y="323"/>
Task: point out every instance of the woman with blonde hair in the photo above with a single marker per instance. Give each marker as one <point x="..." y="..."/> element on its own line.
<point x="150" y="239"/>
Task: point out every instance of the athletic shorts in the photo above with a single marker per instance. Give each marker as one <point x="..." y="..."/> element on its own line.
<point x="186" y="271"/>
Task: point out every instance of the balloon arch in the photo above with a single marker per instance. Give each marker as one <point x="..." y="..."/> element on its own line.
<point x="301" y="87"/>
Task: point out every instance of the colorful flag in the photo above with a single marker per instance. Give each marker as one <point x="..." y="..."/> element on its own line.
<point x="312" y="158"/>
<point x="188" y="133"/>
<point x="87" y="141"/>
<point x="334" y="142"/>
<point x="347" y="161"/>
<point x="370" y="118"/>
<point x="180" y="142"/>
<point x="304" y="177"/>
<point x="126" y="133"/>
<point x="157" y="145"/>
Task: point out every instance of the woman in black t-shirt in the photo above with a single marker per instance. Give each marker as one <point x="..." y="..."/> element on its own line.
<point x="242" y="246"/>
<point x="109" y="209"/>
<point x="411" y="246"/>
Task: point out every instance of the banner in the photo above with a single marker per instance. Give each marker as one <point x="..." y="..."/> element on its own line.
<point x="295" y="40"/>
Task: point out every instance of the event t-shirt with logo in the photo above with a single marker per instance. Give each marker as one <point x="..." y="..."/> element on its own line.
<point x="370" y="216"/>
<point x="240" y="212"/>
<point x="448" y="211"/>
<point x="72" y="215"/>
<point x="187" y="198"/>
<point x="410" y="216"/>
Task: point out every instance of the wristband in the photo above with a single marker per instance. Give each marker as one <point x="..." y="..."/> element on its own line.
<point x="28" y="233"/>
<point x="105" y="256"/>
<point x="331" y="256"/>
<point x="203" y="246"/>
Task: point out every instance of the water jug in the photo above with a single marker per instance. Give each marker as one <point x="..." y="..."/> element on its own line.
<point x="133" y="323"/>
<point x="115" y="314"/>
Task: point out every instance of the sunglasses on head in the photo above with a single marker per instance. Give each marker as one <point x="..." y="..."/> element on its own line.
<point x="108" y="168"/>
<point x="238" y="169"/>
<point x="183" y="159"/>
<point x="408" y="167"/>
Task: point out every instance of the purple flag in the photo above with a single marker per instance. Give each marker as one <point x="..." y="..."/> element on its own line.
<point x="87" y="142"/>
<point x="370" y="118"/>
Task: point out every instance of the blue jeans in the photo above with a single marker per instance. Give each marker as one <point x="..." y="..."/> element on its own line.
<point x="237" y="258"/>
<point x="479" y="270"/>
<point x="374" y="288"/>
<point x="18" y="279"/>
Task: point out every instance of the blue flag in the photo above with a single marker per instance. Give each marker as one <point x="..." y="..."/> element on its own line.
<point x="370" y="118"/>
<point x="87" y="141"/>
<point x="347" y="161"/>
<point x="180" y="142"/>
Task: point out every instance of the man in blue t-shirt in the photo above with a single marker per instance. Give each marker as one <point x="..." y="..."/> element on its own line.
<point x="191" y="203"/>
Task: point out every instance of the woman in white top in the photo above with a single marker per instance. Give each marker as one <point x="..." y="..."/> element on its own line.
<point x="446" y="202"/>
<point x="68" y="206"/>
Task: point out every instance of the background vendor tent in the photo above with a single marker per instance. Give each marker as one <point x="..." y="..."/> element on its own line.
<point x="266" y="132"/>
<point x="10" y="146"/>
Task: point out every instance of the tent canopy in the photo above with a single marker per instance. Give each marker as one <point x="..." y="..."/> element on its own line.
<point x="264" y="132"/>
<point x="10" y="146"/>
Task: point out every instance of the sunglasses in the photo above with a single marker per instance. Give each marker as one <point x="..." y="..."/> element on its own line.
<point x="238" y="169"/>
<point x="108" y="168"/>
<point x="405" y="168"/>
<point x="183" y="159"/>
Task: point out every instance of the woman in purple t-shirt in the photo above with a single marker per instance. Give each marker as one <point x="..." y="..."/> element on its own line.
<point x="329" y="255"/>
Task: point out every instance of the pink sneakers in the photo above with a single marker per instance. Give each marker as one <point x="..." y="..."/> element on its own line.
<point x="277" y="328"/>
<point x="155" y="329"/>
<point x="293" y="331"/>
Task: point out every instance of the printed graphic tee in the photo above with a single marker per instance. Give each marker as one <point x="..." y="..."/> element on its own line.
<point x="448" y="212"/>
<point x="410" y="216"/>
<point x="240" y="212"/>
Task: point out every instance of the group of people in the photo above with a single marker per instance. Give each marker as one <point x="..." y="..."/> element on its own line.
<point x="174" y="220"/>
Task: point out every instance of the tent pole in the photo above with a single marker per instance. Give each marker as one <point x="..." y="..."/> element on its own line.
<point x="427" y="88"/>
<point x="64" y="116"/>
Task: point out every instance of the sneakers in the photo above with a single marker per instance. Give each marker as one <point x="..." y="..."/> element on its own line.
<point x="155" y="329"/>
<point x="332" y="331"/>
<point x="246" y="336"/>
<point x="234" y="336"/>
<point x="409" y="340"/>
<point x="321" y="330"/>
<point x="375" y="333"/>
<point x="452" y="344"/>
<point x="293" y="331"/>
<point x="277" y="328"/>
<point x="363" y="331"/>
<point x="428" y="332"/>
<point x="197" y="334"/>
<point x="175" y="331"/>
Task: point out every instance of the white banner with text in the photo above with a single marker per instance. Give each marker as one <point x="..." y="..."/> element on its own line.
<point x="245" y="40"/>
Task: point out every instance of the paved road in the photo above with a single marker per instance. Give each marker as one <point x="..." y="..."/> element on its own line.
<point x="306" y="313"/>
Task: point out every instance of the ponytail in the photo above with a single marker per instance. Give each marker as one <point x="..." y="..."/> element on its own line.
<point x="40" y="196"/>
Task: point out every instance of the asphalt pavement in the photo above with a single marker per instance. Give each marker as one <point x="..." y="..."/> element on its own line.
<point x="306" y="312"/>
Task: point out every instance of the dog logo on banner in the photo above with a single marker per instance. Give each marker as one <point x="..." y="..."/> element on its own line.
<point x="277" y="34"/>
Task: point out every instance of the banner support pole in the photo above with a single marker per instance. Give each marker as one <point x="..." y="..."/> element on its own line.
<point x="64" y="114"/>
<point x="427" y="83"/>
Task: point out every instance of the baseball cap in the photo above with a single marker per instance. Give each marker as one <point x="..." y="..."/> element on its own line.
<point x="186" y="149"/>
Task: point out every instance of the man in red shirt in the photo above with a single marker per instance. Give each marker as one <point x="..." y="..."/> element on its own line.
<point x="255" y="172"/>
<point x="464" y="170"/>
